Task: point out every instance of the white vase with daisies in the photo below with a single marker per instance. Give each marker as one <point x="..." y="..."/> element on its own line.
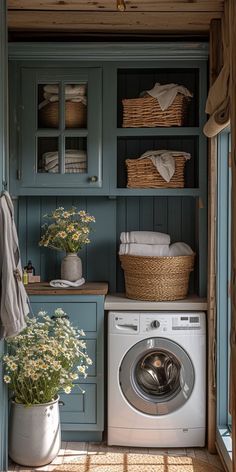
<point x="49" y="356"/>
<point x="68" y="231"/>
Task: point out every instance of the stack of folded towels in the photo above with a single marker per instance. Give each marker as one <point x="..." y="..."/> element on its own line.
<point x="151" y="243"/>
<point x="73" y="93"/>
<point x="75" y="161"/>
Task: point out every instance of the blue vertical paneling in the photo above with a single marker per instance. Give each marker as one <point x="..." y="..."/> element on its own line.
<point x="47" y="256"/>
<point x="172" y="215"/>
<point x="160" y="214"/>
<point x="132" y="214"/>
<point x="101" y="254"/>
<point x="146" y="206"/>
<point x="33" y="234"/>
<point x="121" y="225"/>
<point x="3" y="177"/>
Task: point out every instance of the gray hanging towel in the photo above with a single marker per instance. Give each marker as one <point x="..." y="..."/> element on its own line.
<point x="13" y="297"/>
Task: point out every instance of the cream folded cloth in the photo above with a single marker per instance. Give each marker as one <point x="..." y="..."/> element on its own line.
<point x="73" y="93"/>
<point x="60" y="283"/>
<point x="145" y="237"/>
<point x="75" y="161"/>
<point x="134" y="249"/>
<point x="180" y="249"/>
<point x="70" y="90"/>
<point x="165" y="94"/>
<point x="70" y="169"/>
<point x="164" y="161"/>
<point x="219" y="120"/>
<point x="74" y="154"/>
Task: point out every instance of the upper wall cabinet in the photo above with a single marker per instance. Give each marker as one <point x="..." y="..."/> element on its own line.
<point x="59" y="139"/>
<point x="81" y="117"/>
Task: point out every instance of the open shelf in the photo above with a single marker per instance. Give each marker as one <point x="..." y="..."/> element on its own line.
<point x="131" y="82"/>
<point x="134" y="146"/>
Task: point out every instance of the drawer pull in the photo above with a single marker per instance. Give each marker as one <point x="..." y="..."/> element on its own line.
<point x="61" y="403"/>
<point x="93" y="179"/>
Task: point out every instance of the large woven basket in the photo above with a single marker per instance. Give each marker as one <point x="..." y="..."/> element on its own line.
<point x="157" y="278"/>
<point x="146" y="112"/>
<point x="141" y="173"/>
<point x="75" y="115"/>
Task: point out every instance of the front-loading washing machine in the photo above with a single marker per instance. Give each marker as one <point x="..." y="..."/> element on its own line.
<point x="156" y="379"/>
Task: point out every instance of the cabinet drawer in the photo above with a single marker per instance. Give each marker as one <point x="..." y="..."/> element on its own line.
<point x="83" y="315"/>
<point x="79" y="408"/>
<point x="91" y="350"/>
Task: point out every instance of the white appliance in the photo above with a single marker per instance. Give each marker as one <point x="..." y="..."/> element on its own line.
<point x="156" y="379"/>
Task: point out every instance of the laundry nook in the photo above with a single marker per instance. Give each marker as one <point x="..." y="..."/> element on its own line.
<point x="117" y="236"/>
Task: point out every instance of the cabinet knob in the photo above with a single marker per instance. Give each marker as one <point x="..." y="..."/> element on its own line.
<point x="93" y="179"/>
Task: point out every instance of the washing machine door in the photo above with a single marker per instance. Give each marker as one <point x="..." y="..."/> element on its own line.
<point x="156" y="376"/>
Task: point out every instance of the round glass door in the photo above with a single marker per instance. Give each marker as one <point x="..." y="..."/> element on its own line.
<point x="156" y="376"/>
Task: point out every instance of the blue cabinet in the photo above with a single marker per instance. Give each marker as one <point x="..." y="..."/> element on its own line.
<point x="82" y="414"/>
<point x="59" y="124"/>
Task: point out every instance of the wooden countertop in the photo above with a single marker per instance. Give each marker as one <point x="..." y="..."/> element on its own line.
<point x="89" y="288"/>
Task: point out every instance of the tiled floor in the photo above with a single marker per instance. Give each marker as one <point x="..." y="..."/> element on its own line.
<point x="77" y="451"/>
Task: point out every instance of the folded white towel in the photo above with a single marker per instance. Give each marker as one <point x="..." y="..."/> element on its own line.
<point x="60" y="283"/>
<point x="73" y="93"/>
<point x="165" y="94"/>
<point x="164" y="161"/>
<point x="69" y="170"/>
<point x="145" y="237"/>
<point x="180" y="249"/>
<point x="73" y="159"/>
<point x="50" y="159"/>
<point x="72" y="90"/>
<point x="134" y="249"/>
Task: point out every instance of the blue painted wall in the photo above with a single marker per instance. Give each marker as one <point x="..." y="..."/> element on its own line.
<point x="173" y="215"/>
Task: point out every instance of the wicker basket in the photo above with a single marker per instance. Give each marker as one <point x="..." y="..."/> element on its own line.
<point x="75" y="115"/>
<point x="141" y="173"/>
<point x="157" y="278"/>
<point x="146" y="112"/>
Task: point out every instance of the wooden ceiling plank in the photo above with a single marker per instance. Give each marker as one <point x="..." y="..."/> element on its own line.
<point x="110" y="5"/>
<point x="109" y="22"/>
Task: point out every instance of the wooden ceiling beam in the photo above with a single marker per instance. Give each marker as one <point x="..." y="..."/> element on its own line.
<point x="110" y="22"/>
<point x="110" y="5"/>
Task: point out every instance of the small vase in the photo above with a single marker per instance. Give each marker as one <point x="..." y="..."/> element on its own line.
<point x="34" y="433"/>
<point x="71" y="267"/>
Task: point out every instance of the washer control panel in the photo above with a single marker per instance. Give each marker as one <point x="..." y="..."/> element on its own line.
<point x="124" y="323"/>
<point x="188" y="321"/>
<point x="155" y="323"/>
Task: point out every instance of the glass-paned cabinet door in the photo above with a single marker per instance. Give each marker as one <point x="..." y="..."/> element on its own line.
<point x="61" y="128"/>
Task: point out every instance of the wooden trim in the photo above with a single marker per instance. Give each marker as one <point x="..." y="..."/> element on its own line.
<point x="232" y="35"/>
<point x="110" y="22"/>
<point x="215" y="64"/>
<point x="110" y="5"/>
<point x="109" y="51"/>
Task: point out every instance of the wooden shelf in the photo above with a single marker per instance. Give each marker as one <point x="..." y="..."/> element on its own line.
<point x="162" y="192"/>
<point x="89" y="288"/>
<point x="171" y="131"/>
<point x="118" y="301"/>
